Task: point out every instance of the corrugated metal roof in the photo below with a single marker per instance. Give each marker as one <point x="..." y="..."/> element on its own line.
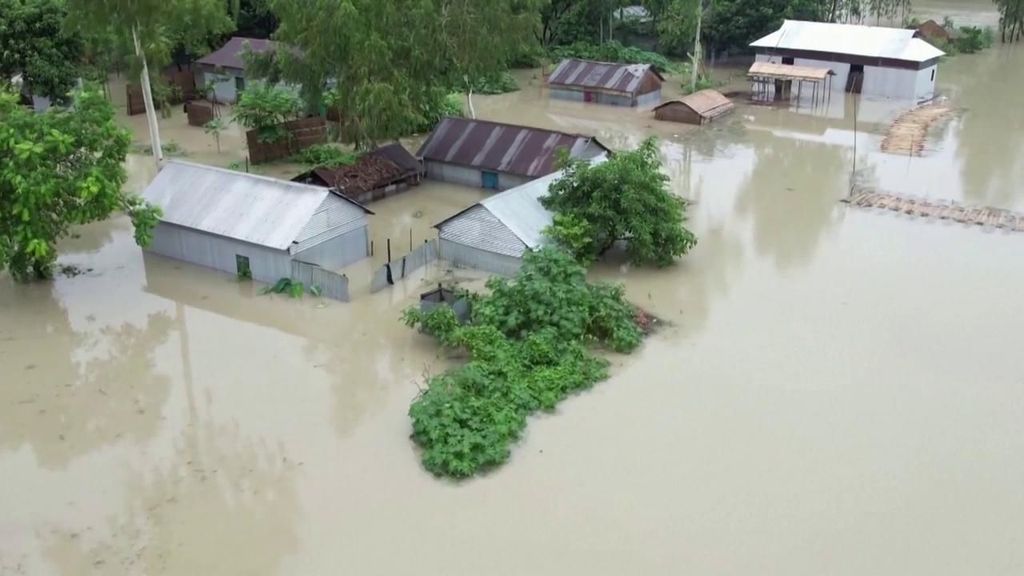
<point x="707" y="103"/>
<point x="230" y="54"/>
<point x="788" y="71"/>
<point x="850" y="39"/>
<point x="498" y="147"/>
<point x="478" y="228"/>
<point x="518" y="209"/>
<point x="255" y="209"/>
<point x="610" y="76"/>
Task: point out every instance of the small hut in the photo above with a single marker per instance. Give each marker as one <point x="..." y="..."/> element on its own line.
<point x="606" y="83"/>
<point x="380" y="173"/>
<point x="933" y="32"/>
<point x="697" y="108"/>
<point x="224" y="68"/>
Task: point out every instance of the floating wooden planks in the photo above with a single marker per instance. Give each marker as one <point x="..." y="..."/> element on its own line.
<point x="907" y="134"/>
<point x="920" y="207"/>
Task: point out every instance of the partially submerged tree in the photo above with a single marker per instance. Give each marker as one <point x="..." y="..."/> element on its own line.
<point x="624" y="198"/>
<point x="35" y="44"/>
<point x="61" y="168"/>
<point x="214" y="128"/>
<point x="153" y="28"/>
<point x="1011" y="19"/>
<point x="393" y="62"/>
<point x="264" y="108"/>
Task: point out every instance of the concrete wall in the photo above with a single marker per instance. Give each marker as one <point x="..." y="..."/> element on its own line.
<point x="339" y="251"/>
<point x="218" y="252"/>
<point x="469" y="257"/>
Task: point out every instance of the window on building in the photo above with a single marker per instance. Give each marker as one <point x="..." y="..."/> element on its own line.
<point x="242" y="267"/>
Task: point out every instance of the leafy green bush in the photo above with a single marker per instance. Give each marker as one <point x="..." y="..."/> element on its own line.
<point x="973" y="39"/>
<point x="290" y="287"/>
<point x="612" y="51"/>
<point x="441" y="106"/>
<point x="325" y="156"/>
<point x="622" y="199"/>
<point x="264" y="108"/>
<point x="527" y="352"/>
<point x="500" y="83"/>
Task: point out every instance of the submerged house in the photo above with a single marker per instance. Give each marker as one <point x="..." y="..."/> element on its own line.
<point x="498" y="156"/>
<point x="379" y="173"/>
<point x="251" y="225"/>
<point x="224" y="68"/>
<point x="606" y="83"/>
<point x="697" y="108"/>
<point x="494" y="234"/>
<point x="869" y="60"/>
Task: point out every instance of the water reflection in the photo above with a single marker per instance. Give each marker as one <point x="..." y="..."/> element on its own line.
<point x="791" y="196"/>
<point x="64" y="408"/>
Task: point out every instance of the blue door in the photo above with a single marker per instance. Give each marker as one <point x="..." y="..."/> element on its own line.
<point x="489" y="180"/>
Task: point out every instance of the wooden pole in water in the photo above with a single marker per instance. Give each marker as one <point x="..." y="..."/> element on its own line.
<point x="410" y="239"/>
<point x="389" y="249"/>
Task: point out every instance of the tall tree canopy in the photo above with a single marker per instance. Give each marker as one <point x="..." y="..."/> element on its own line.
<point x="35" y="44"/>
<point x="1011" y="19"/>
<point x="392" y="61"/>
<point x="623" y="198"/>
<point x="60" y="168"/>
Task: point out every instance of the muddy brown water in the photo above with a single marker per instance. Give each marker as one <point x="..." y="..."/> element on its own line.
<point x="841" y="391"/>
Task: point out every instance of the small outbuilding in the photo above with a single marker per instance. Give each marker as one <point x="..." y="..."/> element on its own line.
<point x="498" y="156"/>
<point x="494" y="234"/>
<point x="869" y="60"/>
<point x="250" y="225"/>
<point x="934" y="32"/>
<point x="697" y="108"/>
<point x="610" y="83"/>
<point x="379" y="173"/>
<point x="224" y="68"/>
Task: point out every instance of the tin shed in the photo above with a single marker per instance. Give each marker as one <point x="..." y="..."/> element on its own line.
<point x="697" y="108"/>
<point x="224" y="68"/>
<point x="606" y="83"/>
<point x="498" y="156"/>
<point x="252" y="225"/>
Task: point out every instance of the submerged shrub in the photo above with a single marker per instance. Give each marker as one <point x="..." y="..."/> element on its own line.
<point x="527" y="348"/>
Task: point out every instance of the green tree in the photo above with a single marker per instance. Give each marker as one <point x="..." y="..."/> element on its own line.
<point x="214" y="128"/>
<point x="153" y="29"/>
<point x="264" y="108"/>
<point x="393" y="61"/>
<point x="624" y="198"/>
<point x="1011" y="19"/>
<point x="35" y="44"/>
<point x="61" y="168"/>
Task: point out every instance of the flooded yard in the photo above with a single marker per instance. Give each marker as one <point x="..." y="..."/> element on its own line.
<point x="840" y="390"/>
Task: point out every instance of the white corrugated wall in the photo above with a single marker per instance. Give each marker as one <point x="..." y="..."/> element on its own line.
<point x="219" y="252"/>
<point x="337" y="252"/>
<point x="469" y="257"/>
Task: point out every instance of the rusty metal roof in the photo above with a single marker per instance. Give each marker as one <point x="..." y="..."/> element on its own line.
<point x="230" y="54"/>
<point x="610" y="76"/>
<point x="505" y="148"/>
<point x="707" y="103"/>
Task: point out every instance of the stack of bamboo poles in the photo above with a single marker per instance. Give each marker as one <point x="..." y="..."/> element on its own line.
<point x="907" y="134"/>
<point x="920" y="207"/>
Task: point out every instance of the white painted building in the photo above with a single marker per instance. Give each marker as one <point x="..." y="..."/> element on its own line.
<point x="870" y="60"/>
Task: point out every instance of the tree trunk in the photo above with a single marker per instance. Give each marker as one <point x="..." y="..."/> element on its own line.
<point x="147" y="99"/>
<point x="696" y="48"/>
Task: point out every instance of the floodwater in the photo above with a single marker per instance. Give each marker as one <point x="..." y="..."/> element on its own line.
<point x="840" y="391"/>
